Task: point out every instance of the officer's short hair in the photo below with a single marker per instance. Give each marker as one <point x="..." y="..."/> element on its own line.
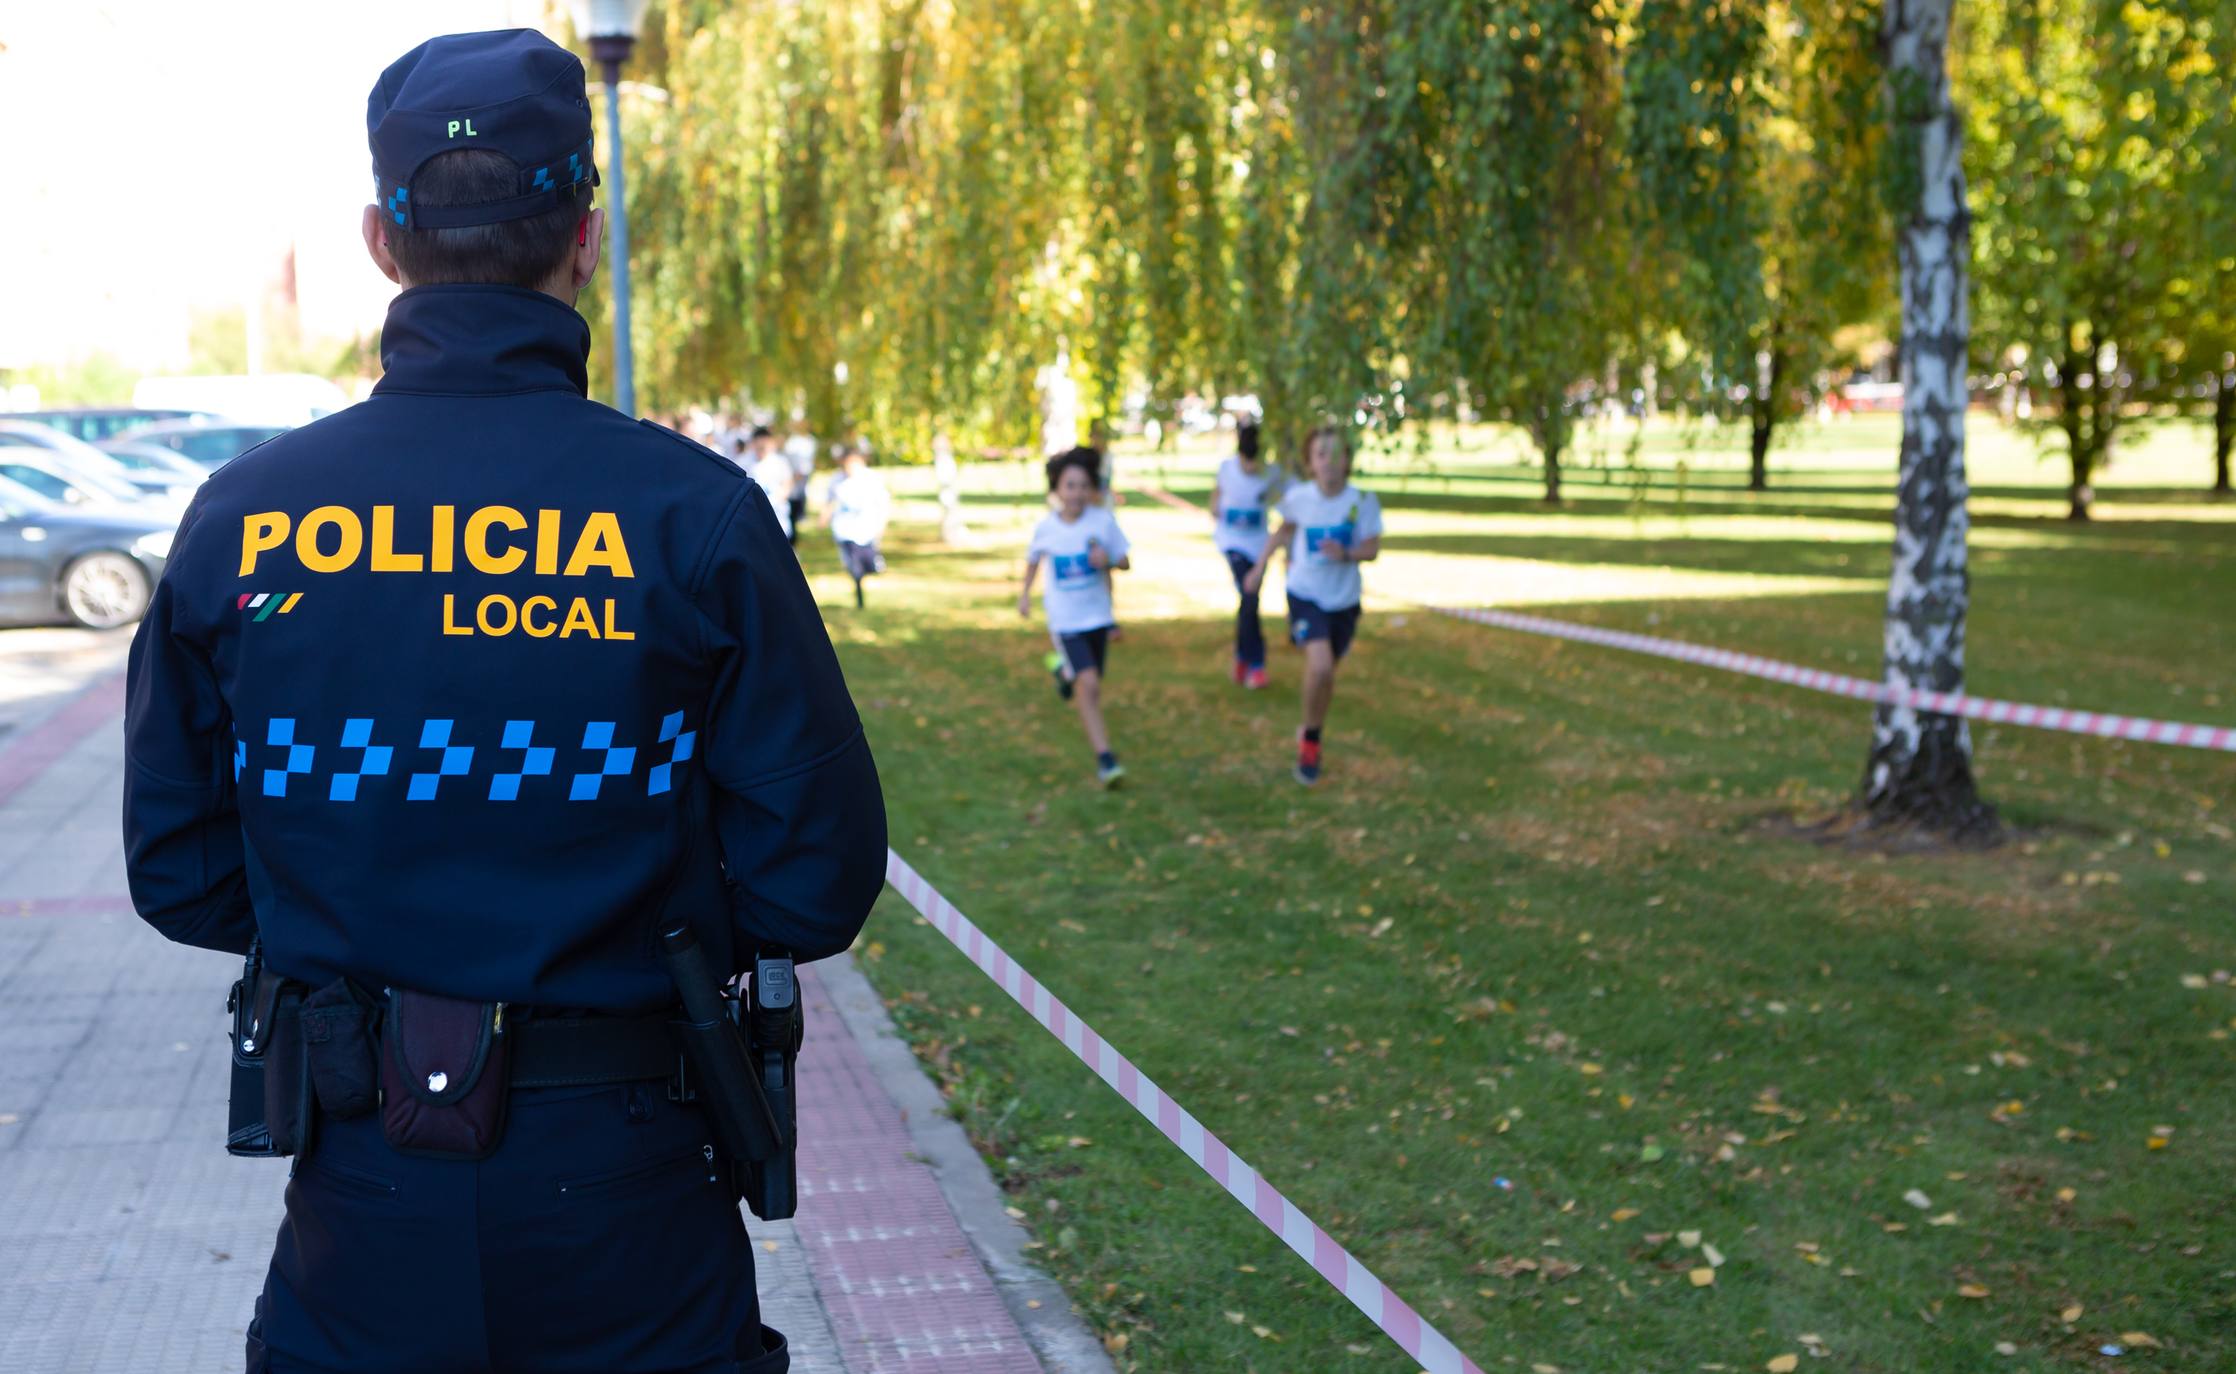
<point x="521" y="252"/>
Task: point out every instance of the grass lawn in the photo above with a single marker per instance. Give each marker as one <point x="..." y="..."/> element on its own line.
<point x="1548" y="920"/>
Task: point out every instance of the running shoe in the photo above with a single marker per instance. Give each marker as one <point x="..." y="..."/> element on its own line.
<point x="1054" y="662"/>
<point x="1241" y="671"/>
<point x="1308" y="763"/>
<point x="1109" y="774"/>
<point x="1256" y="679"/>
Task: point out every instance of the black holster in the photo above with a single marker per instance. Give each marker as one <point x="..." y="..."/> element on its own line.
<point x="723" y="1078"/>
<point x="267" y="1114"/>
<point x="775" y="1029"/>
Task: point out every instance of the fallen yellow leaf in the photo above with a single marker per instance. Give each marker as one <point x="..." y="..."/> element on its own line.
<point x="1623" y="1214"/>
<point x="1702" y="1277"/>
<point x="1689" y="1239"/>
<point x="1971" y="1290"/>
<point x="2066" y="1195"/>
<point x="1589" y="1070"/>
<point x="2139" y="1339"/>
<point x="2071" y="1314"/>
<point x="2156" y="1142"/>
<point x="1783" y="1364"/>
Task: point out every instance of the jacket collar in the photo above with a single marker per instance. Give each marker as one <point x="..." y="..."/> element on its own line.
<point x="483" y="341"/>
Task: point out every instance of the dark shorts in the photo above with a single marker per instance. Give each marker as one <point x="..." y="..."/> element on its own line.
<point x="860" y="559"/>
<point x="1308" y="621"/>
<point x="1084" y="650"/>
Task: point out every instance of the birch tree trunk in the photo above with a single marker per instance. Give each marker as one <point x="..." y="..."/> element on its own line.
<point x="1920" y="767"/>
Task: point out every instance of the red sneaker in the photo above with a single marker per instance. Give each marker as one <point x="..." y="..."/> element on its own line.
<point x="1256" y="679"/>
<point x="1308" y="762"/>
<point x="1239" y="670"/>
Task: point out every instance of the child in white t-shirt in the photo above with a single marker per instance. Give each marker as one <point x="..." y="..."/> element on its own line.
<point x="1082" y="544"/>
<point x="772" y="474"/>
<point x="1328" y="527"/>
<point x="855" y="511"/>
<point x="1240" y="495"/>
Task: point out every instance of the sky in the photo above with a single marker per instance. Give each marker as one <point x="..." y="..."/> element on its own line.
<point x="162" y="155"/>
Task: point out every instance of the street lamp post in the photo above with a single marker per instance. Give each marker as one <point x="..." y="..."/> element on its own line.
<point x="611" y="26"/>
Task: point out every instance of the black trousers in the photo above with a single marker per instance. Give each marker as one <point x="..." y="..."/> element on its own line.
<point x="595" y="1239"/>
<point x="1249" y="633"/>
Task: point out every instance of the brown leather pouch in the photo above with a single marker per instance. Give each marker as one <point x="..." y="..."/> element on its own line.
<point x="444" y="1075"/>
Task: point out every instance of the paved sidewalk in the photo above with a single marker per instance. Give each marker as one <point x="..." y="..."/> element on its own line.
<point x="130" y="1241"/>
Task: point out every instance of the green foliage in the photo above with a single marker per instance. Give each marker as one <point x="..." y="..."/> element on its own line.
<point x="98" y="379"/>
<point x="1504" y="207"/>
<point x="2081" y="115"/>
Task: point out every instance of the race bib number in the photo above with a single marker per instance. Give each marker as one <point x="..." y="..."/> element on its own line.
<point x="1316" y="535"/>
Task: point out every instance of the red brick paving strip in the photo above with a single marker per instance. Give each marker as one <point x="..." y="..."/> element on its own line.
<point x="905" y="1292"/>
<point x="36" y="747"/>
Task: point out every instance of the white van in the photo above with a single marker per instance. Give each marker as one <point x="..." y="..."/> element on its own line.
<point x="274" y="398"/>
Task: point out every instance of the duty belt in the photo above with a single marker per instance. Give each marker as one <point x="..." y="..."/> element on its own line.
<point x="583" y="1051"/>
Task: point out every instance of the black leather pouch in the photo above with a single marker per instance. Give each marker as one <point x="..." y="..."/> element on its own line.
<point x="288" y="1102"/>
<point x="444" y="1076"/>
<point x="338" y="1042"/>
<point x="247" y="1124"/>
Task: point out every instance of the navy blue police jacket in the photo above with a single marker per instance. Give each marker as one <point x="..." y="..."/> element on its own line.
<point x="476" y="686"/>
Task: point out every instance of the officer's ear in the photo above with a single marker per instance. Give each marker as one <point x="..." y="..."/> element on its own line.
<point x="375" y="228"/>
<point x="590" y="236"/>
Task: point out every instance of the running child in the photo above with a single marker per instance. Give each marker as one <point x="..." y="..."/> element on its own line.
<point x="1082" y="544"/>
<point x="1329" y="528"/>
<point x="1239" y="497"/>
<point x="774" y="476"/>
<point x="855" y="512"/>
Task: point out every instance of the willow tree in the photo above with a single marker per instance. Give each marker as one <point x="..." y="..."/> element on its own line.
<point x="2080" y="118"/>
<point x="1920" y="765"/>
<point x="1316" y="306"/>
<point x="2202" y="297"/>
<point x="1755" y="155"/>
<point x="1505" y="126"/>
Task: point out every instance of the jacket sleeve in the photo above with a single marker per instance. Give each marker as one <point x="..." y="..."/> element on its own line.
<point x="182" y="827"/>
<point x="797" y="806"/>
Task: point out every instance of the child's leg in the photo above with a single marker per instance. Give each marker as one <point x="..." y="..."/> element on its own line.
<point x="1087" y="696"/>
<point x="1319" y="682"/>
<point x="1249" y="631"/>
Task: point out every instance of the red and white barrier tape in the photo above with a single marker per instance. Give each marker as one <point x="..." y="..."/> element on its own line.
<point x="1337" y="1265"/>
<point x="1942" y="703"/>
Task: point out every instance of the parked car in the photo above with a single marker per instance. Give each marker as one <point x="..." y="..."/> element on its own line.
<point x="18" y="438"/>
<point x="92" y="424"/>
<point x="50" y="479"/>
<point x="210" y="446"/>
<point x="271" y="398"/>
<point x="96" y="568"/>
<point x="146" y="460"/>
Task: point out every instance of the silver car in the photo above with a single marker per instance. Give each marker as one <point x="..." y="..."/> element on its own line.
<point x="21" y="440"/>
<point x="96" y="567"/>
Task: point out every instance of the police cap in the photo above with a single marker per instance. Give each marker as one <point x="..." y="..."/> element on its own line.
<point x="511" y="91"/>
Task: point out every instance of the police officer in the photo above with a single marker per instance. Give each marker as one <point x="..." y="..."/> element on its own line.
<point x="457" y="699"/>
